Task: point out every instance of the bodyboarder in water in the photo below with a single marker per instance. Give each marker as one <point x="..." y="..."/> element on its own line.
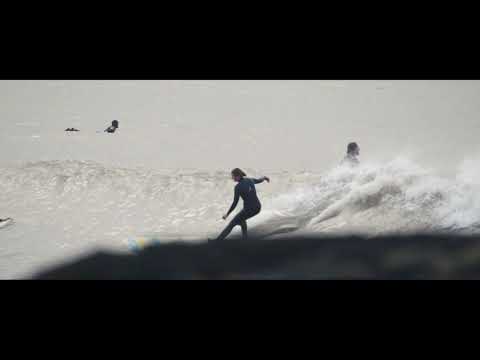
<point x="245" y="189"/>
<point x="112" y="128"/>
<point x="353" y="150"/>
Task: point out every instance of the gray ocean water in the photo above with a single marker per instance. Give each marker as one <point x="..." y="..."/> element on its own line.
<point x="165" y="173"/>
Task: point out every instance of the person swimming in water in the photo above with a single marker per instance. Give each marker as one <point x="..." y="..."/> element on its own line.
<point x="353" y="150"/>
<point x="112" y="128"/>
<point x="245" y="189"/>
<point x="71" y="129"/>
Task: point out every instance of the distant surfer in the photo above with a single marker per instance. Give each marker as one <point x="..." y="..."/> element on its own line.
<point x="71" y="129"/>
<point x="245" y="189"/>
<point x="353" y="151"/>
<point x="112" y="128"/>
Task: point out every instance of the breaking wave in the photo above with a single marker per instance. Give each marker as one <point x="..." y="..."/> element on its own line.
<point x="70" y="204"/>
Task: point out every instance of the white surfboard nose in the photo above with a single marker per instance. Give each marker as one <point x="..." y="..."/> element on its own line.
<point x="5" y="222"/>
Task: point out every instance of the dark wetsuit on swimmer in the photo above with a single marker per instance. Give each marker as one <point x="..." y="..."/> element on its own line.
<point x="350" y="160"/>
<point x="112" y="128"/>
<point x="245" y="189"/>
<point x="353" y="150"/>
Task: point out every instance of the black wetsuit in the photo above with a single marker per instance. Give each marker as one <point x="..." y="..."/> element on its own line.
<point x="245" y="189"/>
<point x="350" y="160"/>
<point x="111" y="129"/>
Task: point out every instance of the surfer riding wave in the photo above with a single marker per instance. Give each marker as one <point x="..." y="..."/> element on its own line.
<point x="245" y="189"/>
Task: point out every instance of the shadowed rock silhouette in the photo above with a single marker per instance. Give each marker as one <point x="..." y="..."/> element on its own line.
<point x="389" y="257"/>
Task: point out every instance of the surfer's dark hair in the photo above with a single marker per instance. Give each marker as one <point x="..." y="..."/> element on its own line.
<point x="352" y="147"/>
<point x="238" y="172"/>
<point x="115" y="123"/>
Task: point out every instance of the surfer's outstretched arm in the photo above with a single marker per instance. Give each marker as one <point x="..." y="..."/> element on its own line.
<point x="262" y="179"/>
<point x="235" y="202"/>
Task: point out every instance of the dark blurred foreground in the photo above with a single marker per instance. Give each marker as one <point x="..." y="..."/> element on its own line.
<point x="393" y="257"/>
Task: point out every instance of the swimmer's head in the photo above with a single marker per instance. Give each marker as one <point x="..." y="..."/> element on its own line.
<point x="238" y="174"/>
<point x="353" y="149"/>
<point x="115" y="124"/>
